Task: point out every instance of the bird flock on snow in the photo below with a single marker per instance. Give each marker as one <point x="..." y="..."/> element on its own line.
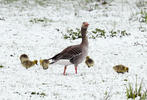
<point x="72" y="55"/>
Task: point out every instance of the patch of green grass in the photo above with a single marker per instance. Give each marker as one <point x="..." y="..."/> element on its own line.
<point x="33" y="93"/>
<point x="41" y="2"/>
<point x="96" y="33"/>
<point x="137" y="91"/>
<point x="88" y="1"/>
<point x="141" y="3"/>
<point x="73" y="34"/>
<point x="1" y="66"/>
<point x="119" y="33"/>
<point x="9" y="1"/>
<point x="40" y="20"/>
<point x="143" y="16"/>
<point x="107" y="95"/>
<point x="113" y="33"/>
<point x="42" y="94"/>
<point x="27" y="2"/>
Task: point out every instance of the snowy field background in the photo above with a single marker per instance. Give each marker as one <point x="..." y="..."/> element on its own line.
<point x="42" y="40"/>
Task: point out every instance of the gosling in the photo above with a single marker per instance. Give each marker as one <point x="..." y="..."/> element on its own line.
<point x="121" y="69"/>
<point x="28" y="63"/>
<point x="89" y="62"/>
<point x="44" y="63"/>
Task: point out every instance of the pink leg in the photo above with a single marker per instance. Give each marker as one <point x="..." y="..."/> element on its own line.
<point x="76" y="69"/>
<point x="64" y="70"/>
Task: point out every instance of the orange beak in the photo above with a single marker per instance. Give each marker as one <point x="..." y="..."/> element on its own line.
<point x="86" y="24"/>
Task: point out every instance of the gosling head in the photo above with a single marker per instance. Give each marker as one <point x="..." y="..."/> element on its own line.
<point x="87" y="57"/>
<point x="127" y="69"/>
<point x="35" y="62"/>
<point x="40" y="61"/>
<point x="23" y="56"/>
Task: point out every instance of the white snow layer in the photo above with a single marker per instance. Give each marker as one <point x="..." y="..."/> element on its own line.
<point x="42" y="40"/>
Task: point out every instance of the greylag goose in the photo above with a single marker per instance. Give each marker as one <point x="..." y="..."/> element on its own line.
<point x="74" y="54"/>
<point x="89" y="62"/>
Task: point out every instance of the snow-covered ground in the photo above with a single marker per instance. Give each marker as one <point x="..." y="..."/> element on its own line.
<point x="42" y="40"/>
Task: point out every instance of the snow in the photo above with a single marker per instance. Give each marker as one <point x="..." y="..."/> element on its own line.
<point x="42" y="40"/>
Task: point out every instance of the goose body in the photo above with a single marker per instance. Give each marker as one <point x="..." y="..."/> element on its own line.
<point x="70" y="55"/>
<point x="73" y="54"/>
<point x="28" y="63"/>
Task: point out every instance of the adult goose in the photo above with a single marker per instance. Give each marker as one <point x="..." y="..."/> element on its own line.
<point x="74" y="54"/>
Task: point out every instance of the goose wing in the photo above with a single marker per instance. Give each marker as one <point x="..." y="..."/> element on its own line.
<point x="68" y="53"/>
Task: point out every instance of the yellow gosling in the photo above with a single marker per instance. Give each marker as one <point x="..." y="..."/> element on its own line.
<point x="89" y="62"/>
<point x="121" y="69"/>
<point x="44" y="63"/>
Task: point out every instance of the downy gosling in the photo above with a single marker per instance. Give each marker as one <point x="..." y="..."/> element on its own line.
<point x="26" y="62"/>
<point x="44" y="63"/>
<point x="121" y="69"/>
<point x="89" y="62"/>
